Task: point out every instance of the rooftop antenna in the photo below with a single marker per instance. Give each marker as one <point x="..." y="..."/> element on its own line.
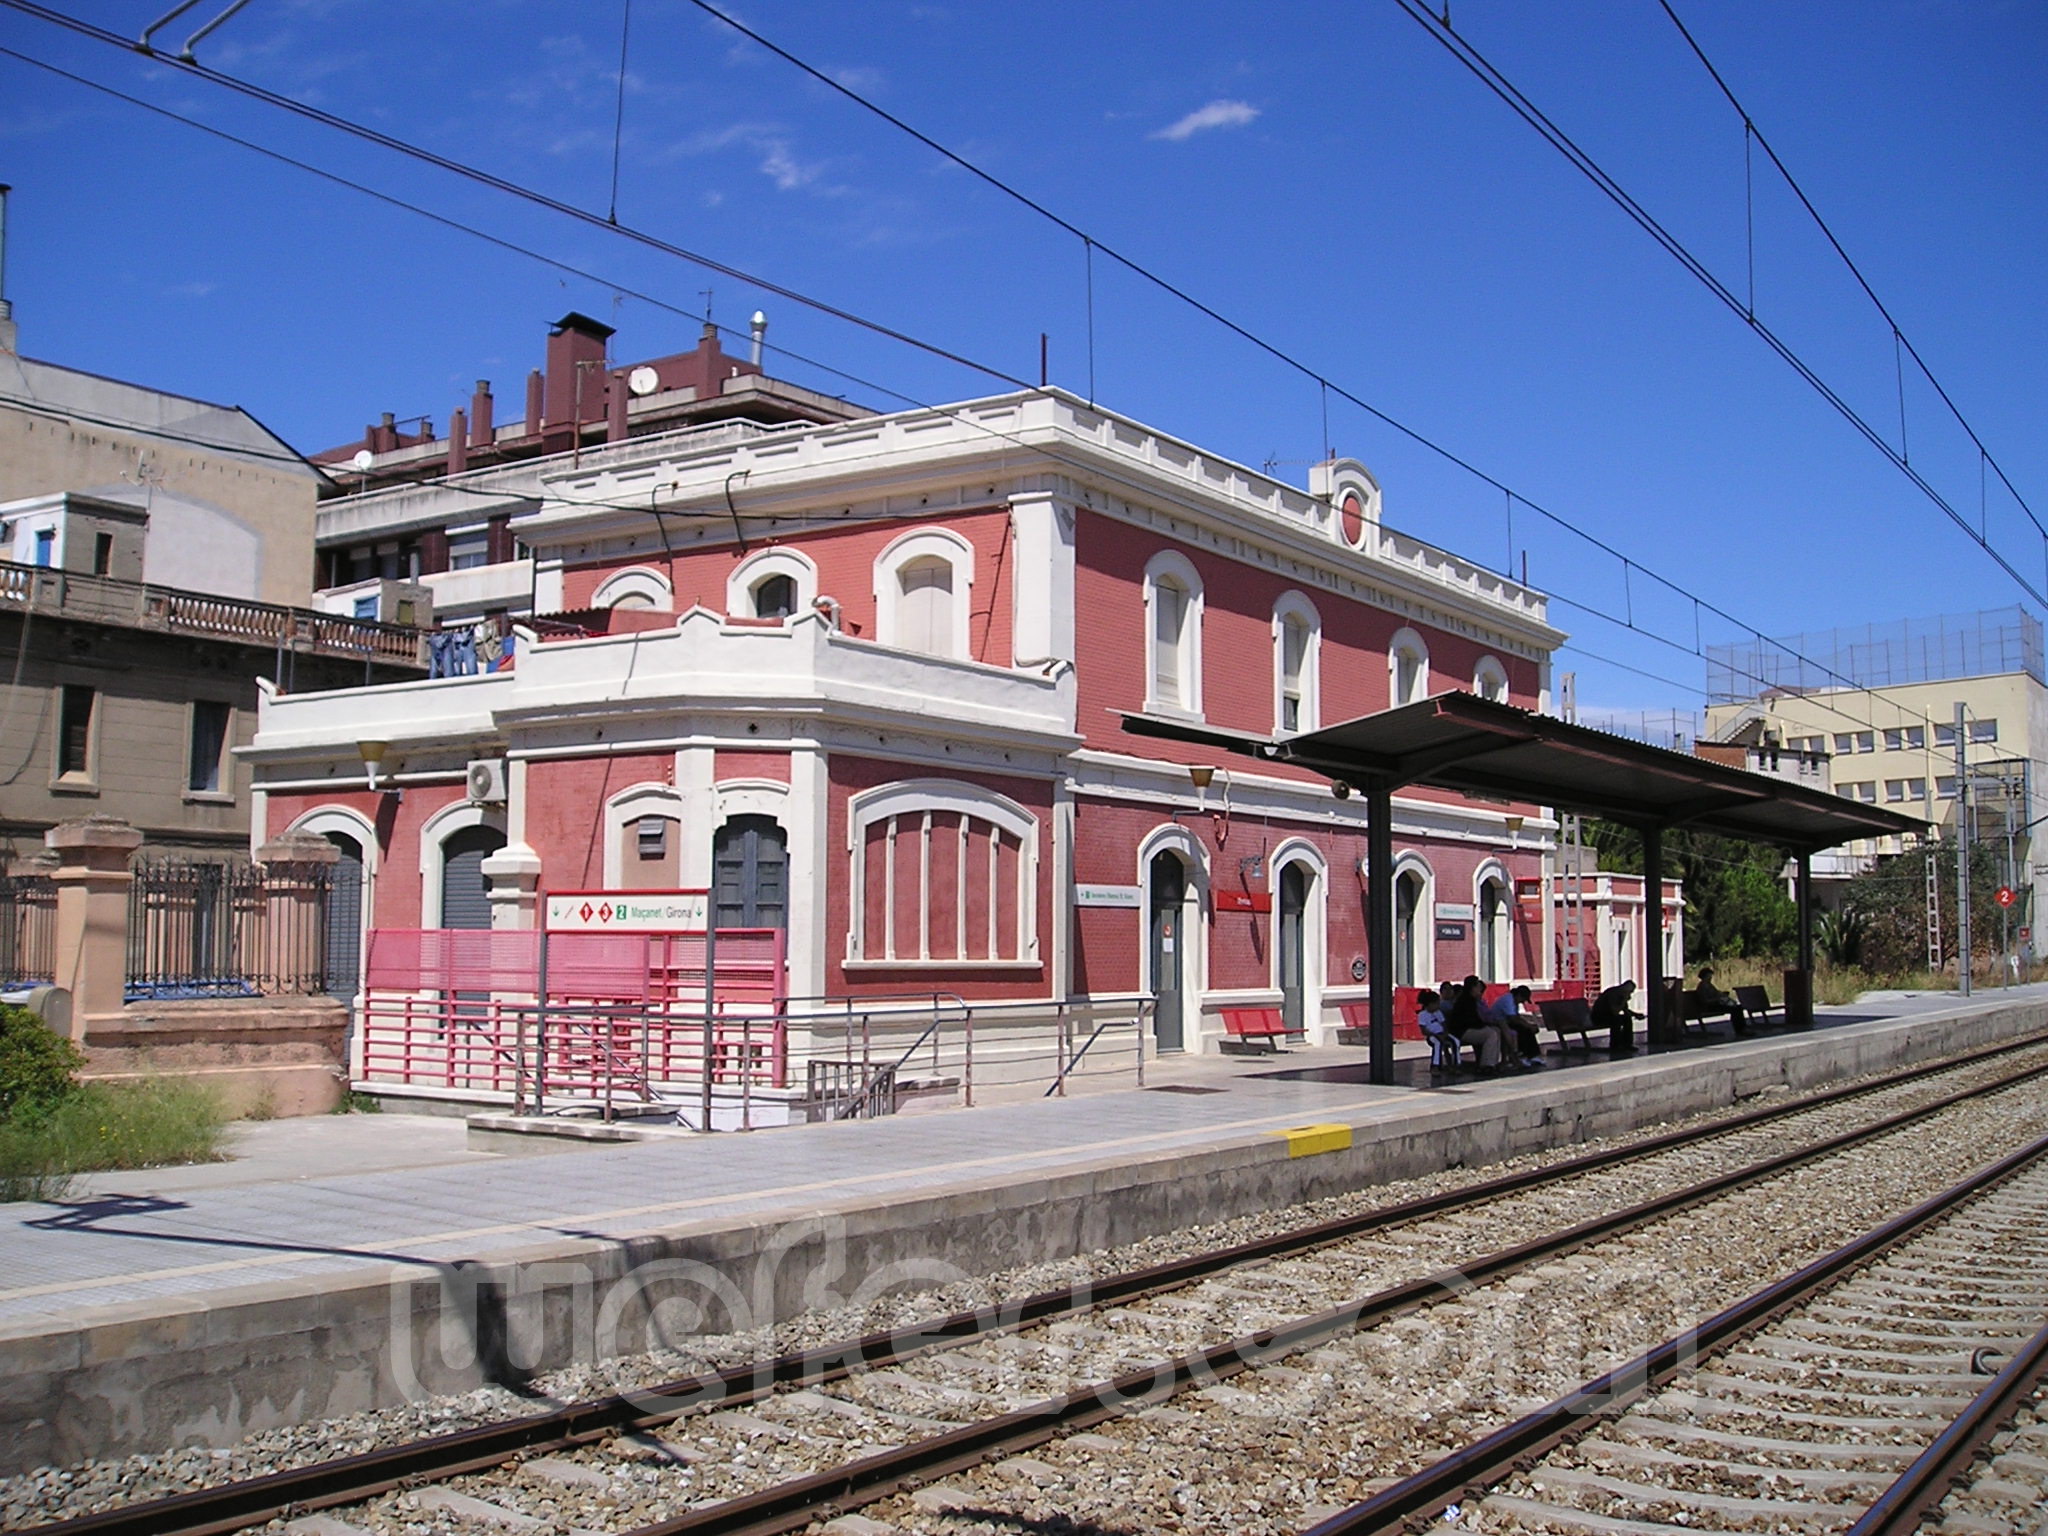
<point x="706" y="292"/>
<point x="6" y="304"/>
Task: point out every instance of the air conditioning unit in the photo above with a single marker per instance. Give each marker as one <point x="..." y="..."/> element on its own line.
<point x="487" y="779"/>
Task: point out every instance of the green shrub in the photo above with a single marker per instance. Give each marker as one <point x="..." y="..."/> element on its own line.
<point x="38" y="1067"/>
<point x="143" y="1124"/>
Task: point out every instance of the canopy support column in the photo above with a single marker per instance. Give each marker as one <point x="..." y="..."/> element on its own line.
<point x="1653" y="932"/>
<point x="1379" y="928"/>
<point x="1799" y="1000"/>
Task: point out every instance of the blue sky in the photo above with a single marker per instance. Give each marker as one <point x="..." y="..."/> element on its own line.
<point x="1326" y="174"/>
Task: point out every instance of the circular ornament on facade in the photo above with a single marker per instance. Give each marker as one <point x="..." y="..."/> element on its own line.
<point x="1352" y="511"/>
<point x="1358" y="967"/>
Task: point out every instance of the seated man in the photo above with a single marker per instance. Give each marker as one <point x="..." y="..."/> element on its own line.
<point x="1464" y="1021"/>
<point x="1611" y="1008"/>
<point x="1713" y="1000"/>
<point x="1506" y="1014"/>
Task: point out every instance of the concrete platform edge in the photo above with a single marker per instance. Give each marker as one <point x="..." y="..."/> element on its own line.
<point x="213" y="1367"/>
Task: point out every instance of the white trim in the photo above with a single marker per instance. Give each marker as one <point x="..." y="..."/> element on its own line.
<point x="435" y="831"/>
<point x="1488" y="673"/>
<point x="750" y="797"/>
<point x="917" y="799"/>
<point x="628" y="806"/>
<point x="636" y="581"/>
<point x="360" y="830"/>
<point x="1407" y="641"/>
<point x="1503" y="959"/>
<point x="1172" y="564"/>
<point x="929" y="543"/>
<point x="1295" y="606"/>
<point x="758" y="567"/>
<point x="1315" y="959"/>
<point x="1422" y="937"/>
<point x="1172" y="837"/>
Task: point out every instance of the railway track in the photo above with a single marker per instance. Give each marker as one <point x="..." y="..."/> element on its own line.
<point x="1854" y="1395"/>
<point x="774" y="1445"/>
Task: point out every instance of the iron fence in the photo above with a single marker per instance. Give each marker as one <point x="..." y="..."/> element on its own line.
<point x="28" y="929"/>
<point x="200" y="929"/>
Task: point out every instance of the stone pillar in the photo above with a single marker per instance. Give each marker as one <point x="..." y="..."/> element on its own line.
<point x="514" y="873"/>
<point x="92" y="914"/>
<point x="292" y="926"/>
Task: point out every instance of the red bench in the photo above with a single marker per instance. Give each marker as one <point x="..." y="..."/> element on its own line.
<point x="1252" y="1029"/>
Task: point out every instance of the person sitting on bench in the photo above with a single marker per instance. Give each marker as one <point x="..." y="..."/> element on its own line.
<point x="1488" y="1043"/>
<point x="1505" y="1014"/>
<point x="1429" y="1018"/>
<point x="1711" y="999"/>
<point x="1611" y="1008"/>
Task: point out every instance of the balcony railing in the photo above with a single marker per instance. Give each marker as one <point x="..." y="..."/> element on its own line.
<point x="137" y="605"/>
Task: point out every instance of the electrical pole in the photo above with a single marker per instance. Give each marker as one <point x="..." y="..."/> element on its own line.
<point x="1962" y="858"/>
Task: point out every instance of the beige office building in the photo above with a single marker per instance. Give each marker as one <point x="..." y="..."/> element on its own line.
<point x="1876" y="707"/>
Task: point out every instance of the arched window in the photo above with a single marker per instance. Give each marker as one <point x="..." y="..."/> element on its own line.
<point x="924" y="606"/>
<point x="1490" y="680"/>
<point x="1297" y="647"/>
<point x="774" y="597"/>
<point x="921" y="590"/>
<point x="638" y="586"/>
<point x="943" y="873"/>
<point x="1173" y="628"/>
<point x="774" y="583"/>
<point x="1407" y="669"/>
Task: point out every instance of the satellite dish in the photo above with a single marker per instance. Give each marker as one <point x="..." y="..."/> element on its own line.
<point x="643" y="380"/>
<point x="363" y="459"/>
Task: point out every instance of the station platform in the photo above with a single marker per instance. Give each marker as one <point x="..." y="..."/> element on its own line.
<point x="136" y="1316"/>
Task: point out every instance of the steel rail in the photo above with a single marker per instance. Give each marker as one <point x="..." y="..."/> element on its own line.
<point x="1489" y="1460"/>
<point x="1902" y="1508"/>
<point x="234" y="1506"/>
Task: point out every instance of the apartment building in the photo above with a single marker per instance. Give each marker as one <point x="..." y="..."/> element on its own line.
<point x="152" y="568"/>
<point x="1878" y="705"/>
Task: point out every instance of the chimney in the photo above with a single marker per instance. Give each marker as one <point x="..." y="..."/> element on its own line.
<point x="458" y="441"/>
<point x="575" y="339"/>
<point x="615" y="396"/>
<point x="760" y="330"/>
<point x="383" y="437"/>
<point x="481" y="433"/>
<point x="533" y="399"/>
<point x="9" y="337"/>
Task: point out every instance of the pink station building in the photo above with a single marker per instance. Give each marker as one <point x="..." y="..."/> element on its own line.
<point x="863" y="677"/>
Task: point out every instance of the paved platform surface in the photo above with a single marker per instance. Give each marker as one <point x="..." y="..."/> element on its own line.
<point x="179" y="1235"/>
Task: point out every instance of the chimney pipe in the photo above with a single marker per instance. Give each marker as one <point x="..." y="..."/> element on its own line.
<point x="533" y="389"/>
<point x="615" y="408"/>
<point x="759" y="327"/>
<point x="458" y="441"/>
<point x="481" y="432"/>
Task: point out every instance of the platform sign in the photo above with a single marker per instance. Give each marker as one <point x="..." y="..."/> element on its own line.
<point x="1088" y="895"/>
<point x="1244" y="901"/>
<point x="1451" y="931"/>
<point x="627" y="911"/>
<point x="2006" y="896"/>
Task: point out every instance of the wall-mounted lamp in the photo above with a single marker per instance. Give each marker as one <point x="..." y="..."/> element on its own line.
<point x="372" y="754"/>
<point x="1514" y="824"/>
<point x="1202" y="774"/>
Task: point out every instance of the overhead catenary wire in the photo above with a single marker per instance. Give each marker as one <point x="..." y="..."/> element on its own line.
<point x="1093" y="243"/>
<point x="1628" y="564"/>
<point x="1491" y="76"/>
<point x="1898" y="334"/>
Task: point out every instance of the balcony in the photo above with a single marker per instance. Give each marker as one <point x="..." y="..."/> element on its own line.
<point x="51" y="593"/>
<point x="701" y="663"/>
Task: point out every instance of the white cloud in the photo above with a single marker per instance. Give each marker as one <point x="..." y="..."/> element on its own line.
<point x="1217" y="114"/>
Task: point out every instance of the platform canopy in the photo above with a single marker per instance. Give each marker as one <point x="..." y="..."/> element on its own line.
<point x="1458" y="741"/>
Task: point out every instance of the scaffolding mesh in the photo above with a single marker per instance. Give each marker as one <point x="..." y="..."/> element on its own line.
<point x="1985" y="644"/>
